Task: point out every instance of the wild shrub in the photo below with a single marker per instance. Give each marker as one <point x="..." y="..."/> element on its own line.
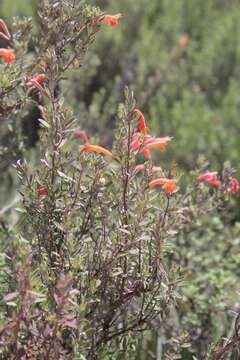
<point x="89" y="265"/>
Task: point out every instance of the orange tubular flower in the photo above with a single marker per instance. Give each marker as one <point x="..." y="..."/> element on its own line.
<point x="36" y="81"/>
<point x="5" y="34"/>
<point x="169" y="185"/>
<point x="141" y="124"/>
<point x="111" y="20"/>
<point x="156" y="143"/>
<point x="38" y="78"/>
<point x="8" y="55"/>
<point x="88" y="148"/>
<point x="136" y="146"/>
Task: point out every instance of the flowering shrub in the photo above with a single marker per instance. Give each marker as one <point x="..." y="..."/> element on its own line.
<point x="91" y="265"/>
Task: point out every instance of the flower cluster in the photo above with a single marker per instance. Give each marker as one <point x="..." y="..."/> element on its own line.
<point x="142" y="144"/>
<point x="210" y="178"/>
<point x="231" y="185"/>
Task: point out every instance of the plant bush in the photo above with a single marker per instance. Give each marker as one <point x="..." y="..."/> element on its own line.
<point x="91" y="263"/>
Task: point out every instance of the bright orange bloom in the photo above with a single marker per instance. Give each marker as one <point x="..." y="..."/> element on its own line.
<point x="156" y="143"/>
<point x="111" y="20"/>
<point x="88" y="148"/>
<point x="183" y="41"/>
<point x="169" y="185"/>
<point x="42" y="191"/>
<point x="144" y="145"/>
<point x="136" y="145"/>
<point x="8" y="55"/>
<point x="6" y="34"/>
<point x="38" y="78"/>
<point x="80" y="134"/>
<point x="141" y="121"/>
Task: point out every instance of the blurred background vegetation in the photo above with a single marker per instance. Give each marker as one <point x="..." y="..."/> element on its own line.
<point x="190" y="92"/>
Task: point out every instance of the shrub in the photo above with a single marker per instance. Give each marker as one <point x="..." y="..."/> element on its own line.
<point x="90" y="264"/>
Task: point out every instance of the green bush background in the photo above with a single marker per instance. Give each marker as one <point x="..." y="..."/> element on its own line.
<point x="191" y="93"/>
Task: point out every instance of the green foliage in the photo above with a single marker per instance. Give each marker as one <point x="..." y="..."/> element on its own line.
<point x="211" y="257"/>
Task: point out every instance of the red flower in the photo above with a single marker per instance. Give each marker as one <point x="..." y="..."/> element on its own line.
<point x="38" y="78"/>
<point x="36" y="82"/>
<point x="169" y="185"/>
<point x="148" y="143"/>
<point x="141" y="121"/>
<point x="155" y="143"/>
<point x="8" y="55"/>
<point x="234" y="185"/>
<point x="42" y="191"/>
<point x="210" y="178"/>
<point x="6" y="34"/>
<point x="80" y="134"/>
<point x="111" y="20"/>
<point x="136" y="145"/>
